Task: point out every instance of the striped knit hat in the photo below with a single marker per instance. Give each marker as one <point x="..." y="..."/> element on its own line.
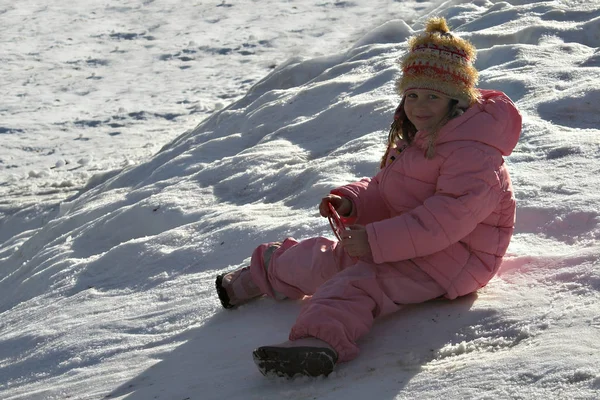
<point x="440" y="61"/>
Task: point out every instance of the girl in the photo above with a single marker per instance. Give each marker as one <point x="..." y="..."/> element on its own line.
<point x="435" y="221"/>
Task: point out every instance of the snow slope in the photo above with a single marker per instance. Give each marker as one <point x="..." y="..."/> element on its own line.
<point x="108" y="292"/>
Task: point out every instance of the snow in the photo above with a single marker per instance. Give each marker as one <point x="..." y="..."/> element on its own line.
<point x="146" y="146"/>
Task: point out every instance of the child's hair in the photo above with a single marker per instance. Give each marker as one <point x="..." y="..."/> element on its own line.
<point x="403" y="129"/>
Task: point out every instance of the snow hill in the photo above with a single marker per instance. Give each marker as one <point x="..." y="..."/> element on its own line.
<point x="109" y="293"/>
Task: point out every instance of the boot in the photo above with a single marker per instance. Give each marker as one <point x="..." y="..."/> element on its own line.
<point x="236" y="287"/>
<point x="305" y="357"/>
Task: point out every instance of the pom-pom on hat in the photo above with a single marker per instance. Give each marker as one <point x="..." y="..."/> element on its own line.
<point x="437" y="60"/>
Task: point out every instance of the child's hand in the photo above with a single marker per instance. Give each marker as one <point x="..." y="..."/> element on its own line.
<point x="341" y="204"/>
<point x="356" y="241"/>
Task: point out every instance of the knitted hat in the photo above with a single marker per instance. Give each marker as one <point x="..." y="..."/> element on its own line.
<point x="440" y="61"/>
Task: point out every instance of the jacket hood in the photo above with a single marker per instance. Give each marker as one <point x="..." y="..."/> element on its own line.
<point x="493" y="120"/>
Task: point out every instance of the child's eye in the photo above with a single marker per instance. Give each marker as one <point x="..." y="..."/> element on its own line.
<point x="433" y="97"/>
<point x="412" y="96"/>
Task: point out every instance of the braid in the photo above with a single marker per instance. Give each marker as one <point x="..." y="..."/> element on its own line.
<point x="453" y="112"/>
<point x="401" y="129"/>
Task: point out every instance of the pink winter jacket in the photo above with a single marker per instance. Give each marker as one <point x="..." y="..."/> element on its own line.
<point x="453" y="215"/>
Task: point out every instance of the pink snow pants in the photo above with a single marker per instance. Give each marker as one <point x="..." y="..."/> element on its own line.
<point x="346" y="295"/>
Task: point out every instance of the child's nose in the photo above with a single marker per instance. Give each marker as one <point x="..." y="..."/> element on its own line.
<point x="420" y="103"/>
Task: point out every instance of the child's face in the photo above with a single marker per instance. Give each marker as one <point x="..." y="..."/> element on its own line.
<point x="425" y="108"/>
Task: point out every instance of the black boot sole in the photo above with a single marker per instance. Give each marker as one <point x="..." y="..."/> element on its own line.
<point x="222" y="293"/>
<point x="288" y="362"/>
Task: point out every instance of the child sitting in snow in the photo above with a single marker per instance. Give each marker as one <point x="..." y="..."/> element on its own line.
<point x="435" y="221"/>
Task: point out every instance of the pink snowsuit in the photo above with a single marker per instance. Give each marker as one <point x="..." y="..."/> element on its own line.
<point x="436" y="227"/>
